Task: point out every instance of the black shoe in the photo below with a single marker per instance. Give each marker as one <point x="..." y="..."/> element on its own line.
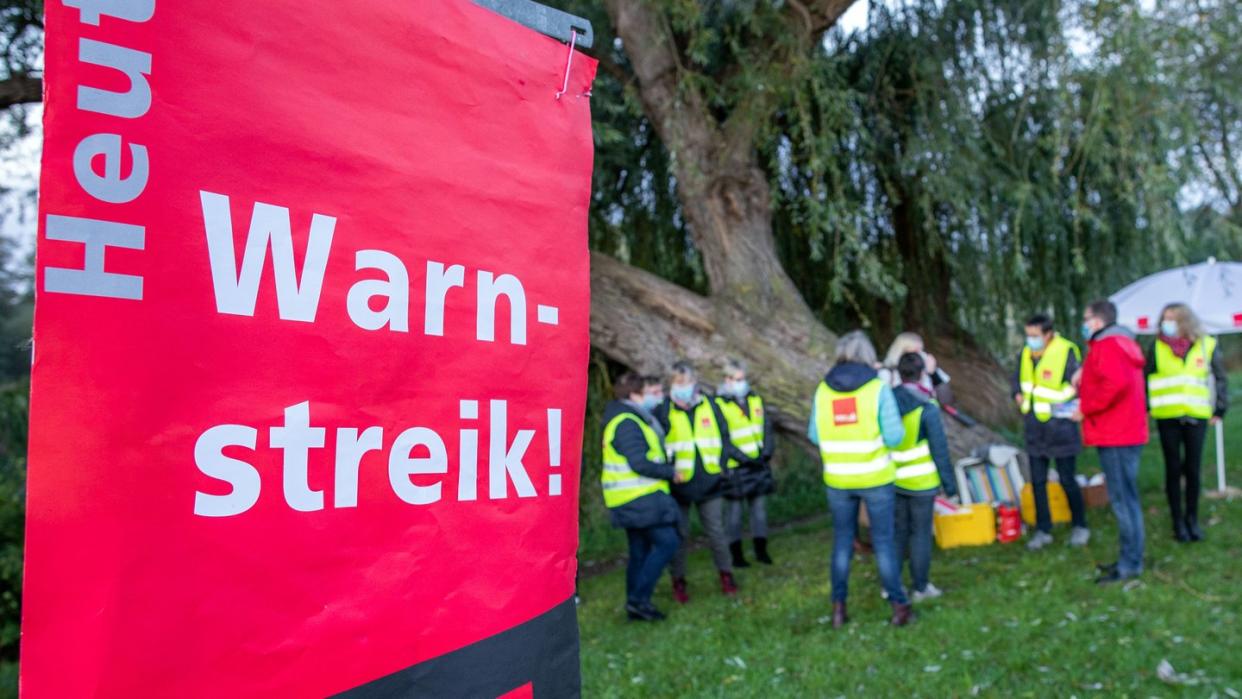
<point x="1180" y="533"/>
<point x="739" y="561"/>
<point x="761" y="551"/>
<point x="643" y="611"/>
<point x="1192" y="528"/>
<point x="1108" y="578"/>
<point x="1107" y="567"/>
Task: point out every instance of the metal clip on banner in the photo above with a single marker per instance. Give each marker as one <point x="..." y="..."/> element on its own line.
<point x="545" y="20"/>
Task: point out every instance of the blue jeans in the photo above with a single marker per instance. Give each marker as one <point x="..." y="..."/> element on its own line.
<point x="650" y="551"/>
<point x="844" y="507"/>
<point x="1120" y="466"/>
<point x="912" y="523"/>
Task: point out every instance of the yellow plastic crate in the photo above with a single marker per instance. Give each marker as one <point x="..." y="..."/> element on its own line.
<point x="973" y="525"/>
<point x="1058" y="504"/>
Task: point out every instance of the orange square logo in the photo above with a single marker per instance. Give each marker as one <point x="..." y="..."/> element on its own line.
<point x="845" y="411"/>
<point x="706" y="422"/>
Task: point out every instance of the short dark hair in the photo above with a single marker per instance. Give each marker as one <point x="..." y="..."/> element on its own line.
<point x="910" y="366"/>
<point x="1041" y="321"/>
<point x="628" y="384"/>
<point x="1103" y="309"/>
<point x="652" y="380"/>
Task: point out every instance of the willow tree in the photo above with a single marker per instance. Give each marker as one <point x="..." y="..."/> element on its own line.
<point x="712" y="82"/>
<point x="949" y="169"/>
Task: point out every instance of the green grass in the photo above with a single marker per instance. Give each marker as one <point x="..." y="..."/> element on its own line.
<point x="1012" y="623"/>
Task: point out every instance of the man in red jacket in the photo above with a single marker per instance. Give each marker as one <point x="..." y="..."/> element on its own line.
<point x="1113" y="410"/>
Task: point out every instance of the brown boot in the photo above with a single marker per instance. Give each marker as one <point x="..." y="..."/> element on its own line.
<point x="728" y="586"/>
<point x="839" y="617"/>
<point x="902" y="614"/>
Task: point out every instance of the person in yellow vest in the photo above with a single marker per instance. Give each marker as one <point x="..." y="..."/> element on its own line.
<point x="923" y="469"/>
<point x="751" y="435"/>
<point x="697" y="445"/>
<point x="635" y="483"/>
<point x="1043" y="389"/>
<point x="1187" y="389"/>
<point x="855" y="422"/>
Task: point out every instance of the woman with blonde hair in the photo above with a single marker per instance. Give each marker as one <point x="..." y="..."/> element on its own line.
<point x="1184" y="370"/>
<point x="935" y="381"/>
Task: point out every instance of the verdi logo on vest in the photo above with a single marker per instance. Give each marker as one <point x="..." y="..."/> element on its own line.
<point x="845" y="411"/>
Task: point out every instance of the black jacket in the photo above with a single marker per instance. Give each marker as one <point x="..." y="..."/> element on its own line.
<point x="703" y="486"/>
<point x="653" y="509"/>
<point x="1058" y="438"/>
<point x="1219" y="376"/>
<point x="752" y="477"/>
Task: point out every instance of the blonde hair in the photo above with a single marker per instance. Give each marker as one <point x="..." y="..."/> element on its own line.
<point x="1187" y="322"/>
<point x="904" y="343"/>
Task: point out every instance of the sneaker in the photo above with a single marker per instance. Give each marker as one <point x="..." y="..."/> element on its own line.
<point x="1038" y="541"/>
<point x="642" y="612"/>
<point x="930" y="592"/>
<point x="1079" y="536"/>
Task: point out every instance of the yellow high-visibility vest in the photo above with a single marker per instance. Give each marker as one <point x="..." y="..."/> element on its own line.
<point x="851" y="445"/>
<point x="916" y="470"/>
<point x="1180" y="387"/>
<point x="693" y="431"/>
<point x="1044" y="383"/>
<point x="745" y="431"/>
<point x="620" y="483"/>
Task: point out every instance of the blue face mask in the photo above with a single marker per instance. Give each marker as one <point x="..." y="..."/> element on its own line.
<point x="738" y="389"/>
<point x="1168" y="328"/>
<point x="682" y="394"/>
<point x="1087" y="332"/>
<point x="1035" y="343"/>
<point x="651" y="402"/>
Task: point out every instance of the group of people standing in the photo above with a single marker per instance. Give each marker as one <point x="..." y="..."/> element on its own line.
<point x="881" y="439"/>
<point x="1181" y="384"/>
<point x="665" y="457"/>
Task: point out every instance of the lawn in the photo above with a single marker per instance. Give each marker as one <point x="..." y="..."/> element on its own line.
<point x="1011" y="623"/>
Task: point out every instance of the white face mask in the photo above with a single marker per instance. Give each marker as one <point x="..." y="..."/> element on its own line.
<point x="1169" y="328"/>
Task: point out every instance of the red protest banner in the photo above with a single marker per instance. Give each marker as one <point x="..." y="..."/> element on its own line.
<point x="310" y="349"/>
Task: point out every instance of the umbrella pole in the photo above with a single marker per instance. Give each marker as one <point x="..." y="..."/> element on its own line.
<point x="1220" y="455"/>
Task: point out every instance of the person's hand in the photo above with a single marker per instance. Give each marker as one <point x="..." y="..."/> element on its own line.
<point x="1076" y="379"/>
<point x="1017" y="397"/>
<point x="1077" y="416"/>
<point x="679" y="477"/>
<point x="929" y="363"/>
<point x="1214" y="421"/>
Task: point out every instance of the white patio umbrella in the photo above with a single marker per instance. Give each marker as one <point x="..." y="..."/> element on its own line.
<point x="1212" y="289"/>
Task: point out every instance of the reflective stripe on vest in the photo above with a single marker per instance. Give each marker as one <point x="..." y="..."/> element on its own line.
<point x="1182" y="387"/>
<point x="618" y="481"/>
<point x="1044" y="384"/>
<point x="688" y="435"/>
<point x="915" y="468"/>
<point x="745" y="431"/>
<point x="851" y="445"/>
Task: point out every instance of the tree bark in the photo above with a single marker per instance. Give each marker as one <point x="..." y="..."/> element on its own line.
<point x="20" y="89"/>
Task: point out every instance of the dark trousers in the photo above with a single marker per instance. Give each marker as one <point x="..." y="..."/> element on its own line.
<point x="1182" y="442"/>
<point x="912" y="521"/>
<point x="1067" y="468"/>
<point x="650" y="551"/>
